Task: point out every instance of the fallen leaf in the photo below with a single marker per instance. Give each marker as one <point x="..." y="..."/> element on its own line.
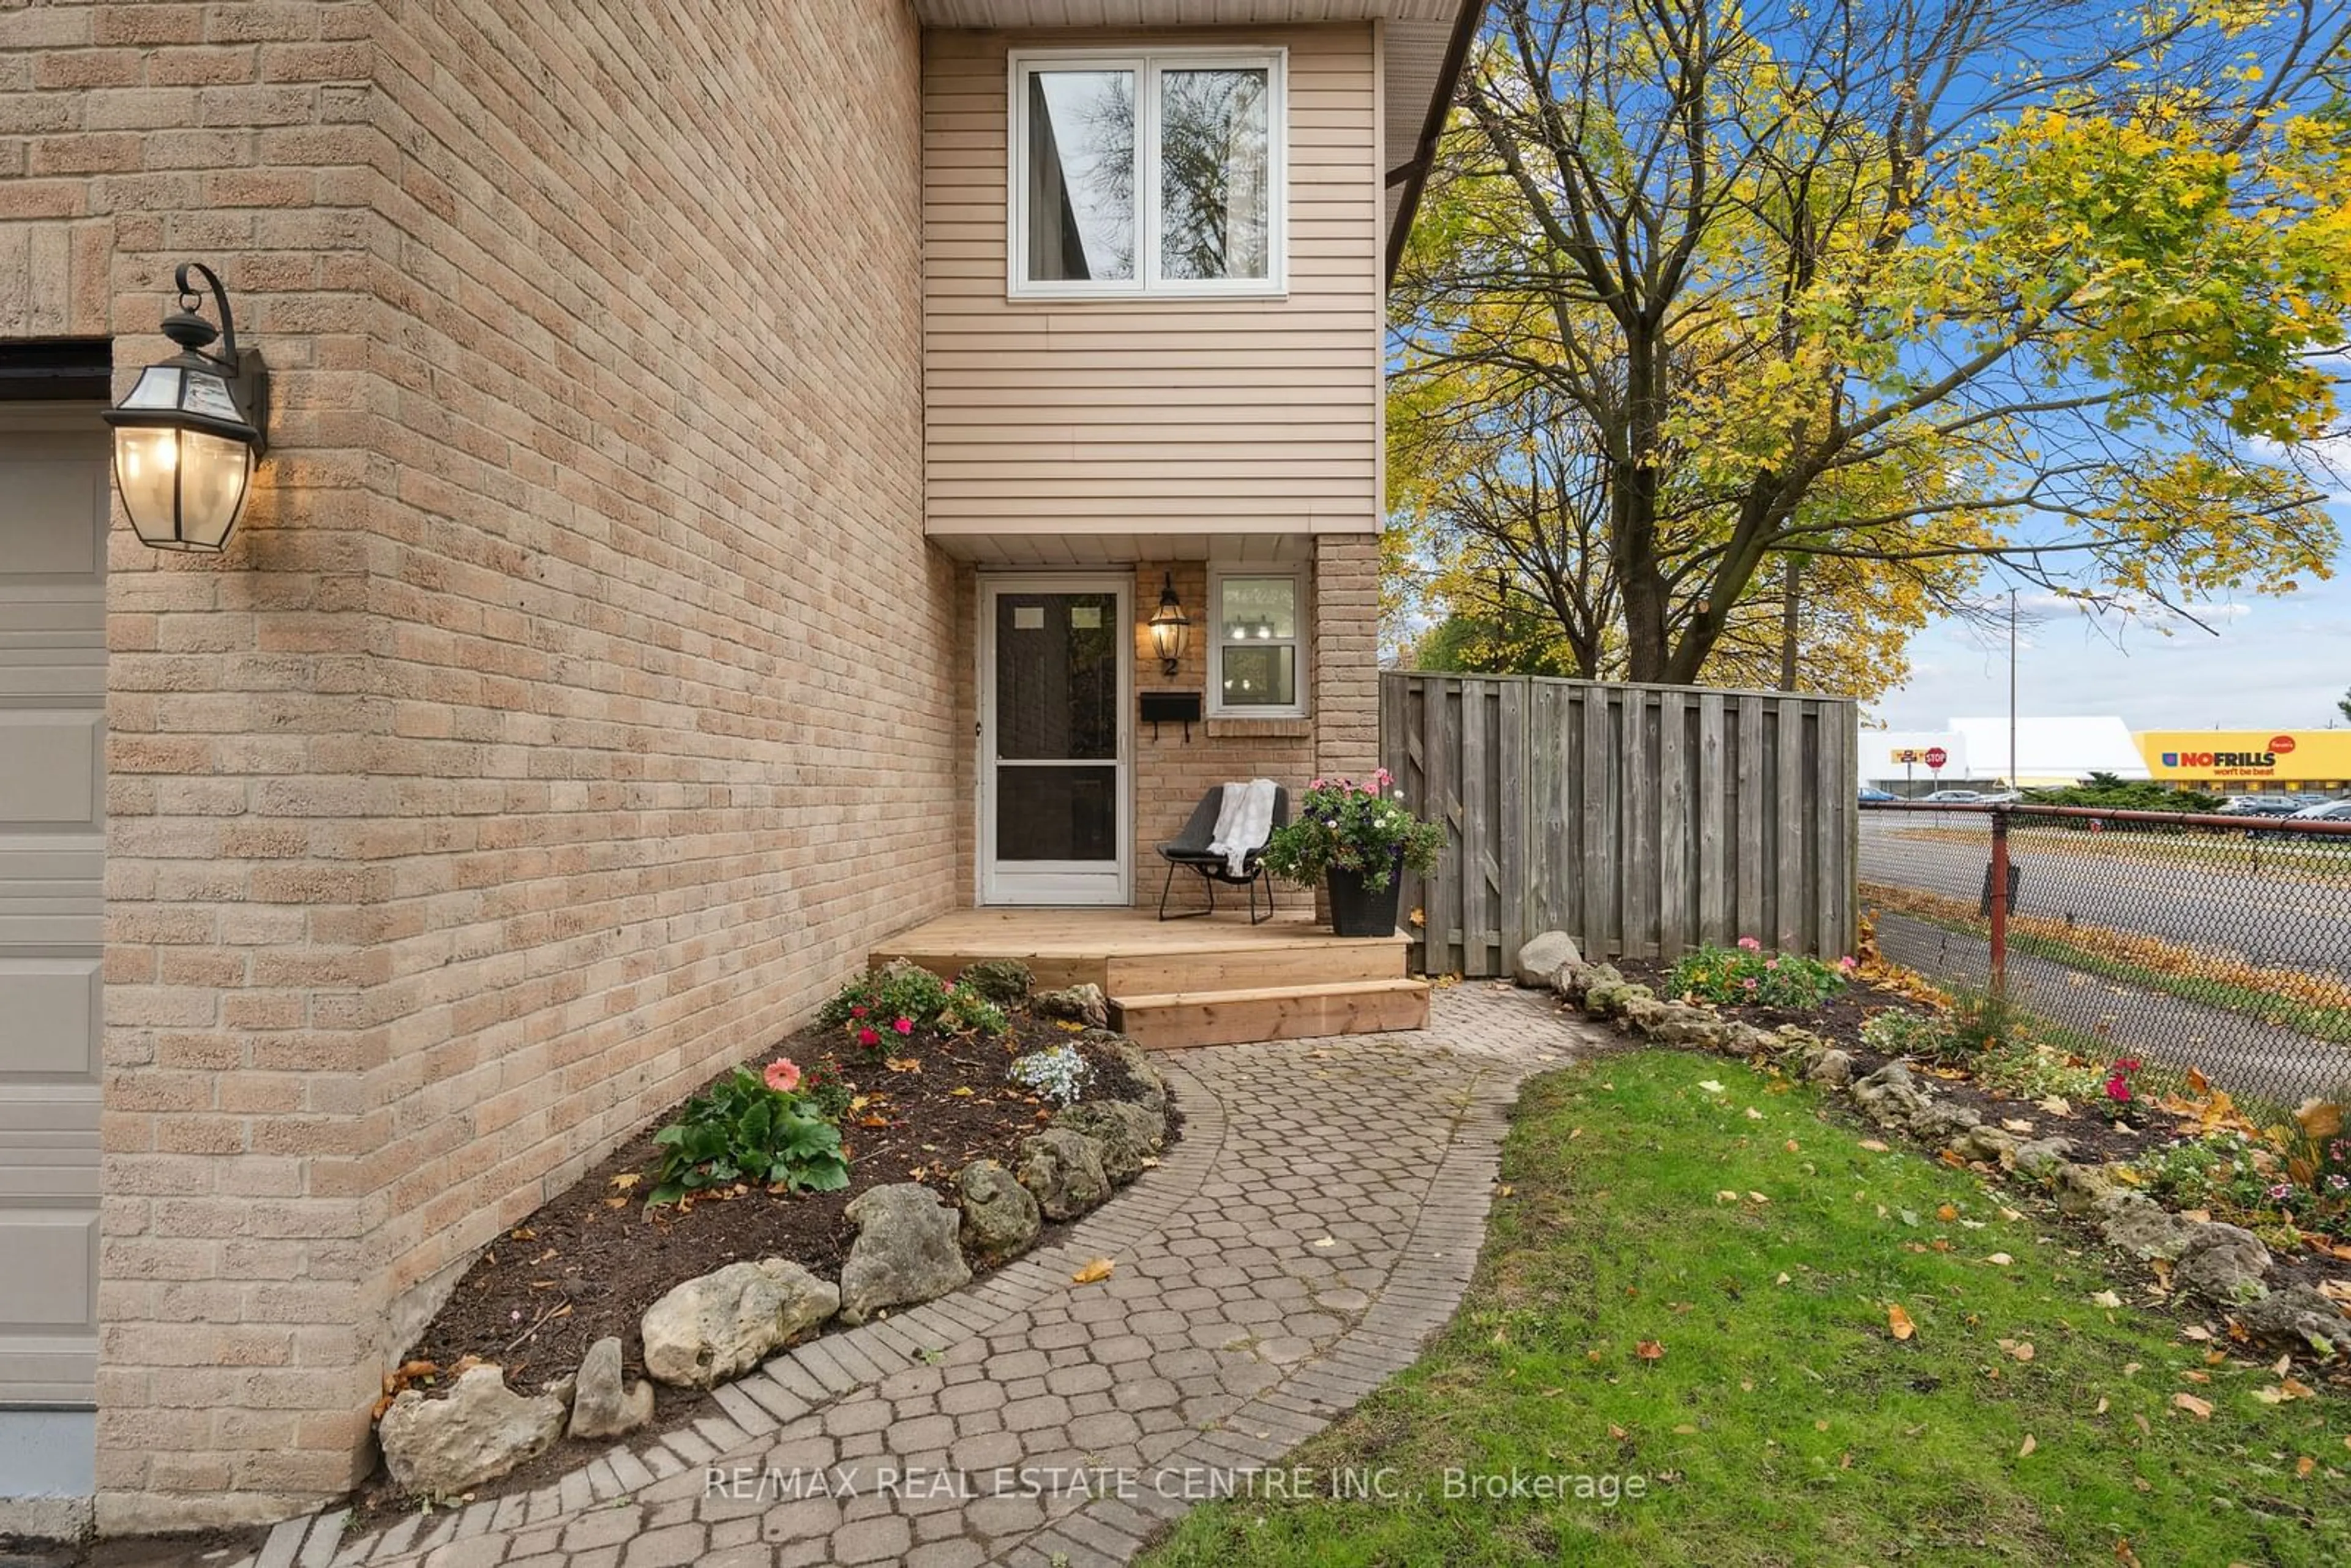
<point x="1790" y="1146"/>
<point x="1617" y="1432"/>
<point x="2056" y="1105"/>
<point x="1947" y="1214"/>
<point x="2194" y="1376"/>
<point x="1710" y="1085"/>
<point x="1097" y="1268"/>
<point x="1685" y="1431"/>
<point x="1726" y="1195"/>
<point x="2102" y="1405"/>
<point x="2016" y="1124"/>
<point x="1874" y="1146"/>
<point x="2031" y="1443"/>
<point x="616" y="1203"/>
<point x="1753" y="1115"/>
<point x="2002" y="1259"/>
<point x="963" y="1092"/>
<point x="2199" y="1408"/>
<point x="1899" y="1321"/>
<point x="2196" y="1331"/>
<point x="1757" y="1197"/>
<point x="2010" y="1214"/>
<point x="1323" y="1241"/>
<point x="2107" y="1298"/>
<point x="626" y="1180"/>
<point x="1782" y="1279"/>
<point x="1649" y="1350"/>
<point x="902" y="1064"/>
<point x="2021" y="1350"/>
<point x="2303" y="1465"/>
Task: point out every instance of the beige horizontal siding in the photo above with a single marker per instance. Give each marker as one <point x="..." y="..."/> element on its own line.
<point x="1217" y="413"/>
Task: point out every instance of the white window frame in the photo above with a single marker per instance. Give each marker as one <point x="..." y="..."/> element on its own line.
<point x="1299" y="643"/>
<point x="1148" y="65"/>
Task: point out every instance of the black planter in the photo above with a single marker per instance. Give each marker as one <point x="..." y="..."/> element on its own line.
<point x="1360" y="911"/>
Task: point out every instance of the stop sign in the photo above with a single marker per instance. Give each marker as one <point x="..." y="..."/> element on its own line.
<point x="1936" y="757"/>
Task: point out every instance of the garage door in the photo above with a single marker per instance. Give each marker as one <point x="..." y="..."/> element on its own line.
<point x="53" y="520"/>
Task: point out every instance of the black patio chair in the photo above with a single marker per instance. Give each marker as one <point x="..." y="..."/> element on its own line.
<point x="1190" y="850"/>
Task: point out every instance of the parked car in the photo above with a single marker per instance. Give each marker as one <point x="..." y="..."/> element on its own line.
<point x="1870" y="794"/>
<point x="2260" y="805"/>
<point x="1955" y="796"/>
<point x="2324" y="812"/>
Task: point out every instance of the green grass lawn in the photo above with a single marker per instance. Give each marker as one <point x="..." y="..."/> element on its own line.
<point x="1760" y="1245"/>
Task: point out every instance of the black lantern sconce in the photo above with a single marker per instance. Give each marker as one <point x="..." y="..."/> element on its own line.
<point x="1169" y="628"/>
<point x="189" y="434"/>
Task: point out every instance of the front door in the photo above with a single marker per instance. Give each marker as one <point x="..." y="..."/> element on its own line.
<point x="1054" y="671"/>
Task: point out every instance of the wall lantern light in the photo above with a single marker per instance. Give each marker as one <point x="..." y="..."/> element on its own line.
<point x="1169" y="627"/>
<point x="189" y="434"/>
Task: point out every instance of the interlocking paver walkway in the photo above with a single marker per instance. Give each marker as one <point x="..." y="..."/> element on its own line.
<point x="1319" y="1219"/>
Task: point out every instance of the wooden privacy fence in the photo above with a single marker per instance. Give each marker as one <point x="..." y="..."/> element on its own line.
<point x="1642" y="821"/>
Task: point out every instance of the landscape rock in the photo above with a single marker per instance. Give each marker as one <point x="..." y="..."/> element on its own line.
<point x="1647" y="1014"/>
<point x="1064" y="1170"/>
<point x="1938" y="1123"/>
<point x="2223" y="1264"/>
<point x="1079" y="1004"/>
<point x="1152" y="1089"/>
<point x="906" y="1250"/>
<point x="1127" y="1133"/>
<point x="1573" y="980"/>
<point x="1832" y="1067"/>
<point x="2298" y="1318"/>
<point x="1004" y="982"/>
<point x="1609" y="999"/>
<point x="603" y="1402"/>
<point x="1540" y="957"/>
<point x="1679" y="1023"/>
<point x="728" y="1320"/>
<point x="2080" y="1190"/>
<point x="1889" y="1096"/>
<point x="1995" y="1145"/>
<point x="2142" y="1226"/>
<point x="1001" y="1217"/>
<point x="477" y="1432"/>
<point x="2039" y="1156"/>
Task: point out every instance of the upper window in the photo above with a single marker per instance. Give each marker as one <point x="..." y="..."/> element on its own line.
<point x="1147" y="173"/>
<point x="1254" y="665"/>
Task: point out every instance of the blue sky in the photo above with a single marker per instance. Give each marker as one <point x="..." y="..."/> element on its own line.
<point x="2276" y="664"/>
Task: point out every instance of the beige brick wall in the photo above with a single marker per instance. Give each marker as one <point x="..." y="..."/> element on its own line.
<point x="495" y="785"/>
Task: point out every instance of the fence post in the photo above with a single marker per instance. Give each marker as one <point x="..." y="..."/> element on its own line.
<point x="1999" y="901"/>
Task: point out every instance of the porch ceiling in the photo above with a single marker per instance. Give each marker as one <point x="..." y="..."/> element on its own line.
<point x="1124" y="550"/>
<point x="1416" y="34"/>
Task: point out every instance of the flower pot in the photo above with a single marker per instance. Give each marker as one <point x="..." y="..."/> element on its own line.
<point x="1360" y="911"/>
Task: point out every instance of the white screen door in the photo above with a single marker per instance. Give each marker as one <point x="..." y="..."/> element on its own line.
<point x="1054" y="659"/>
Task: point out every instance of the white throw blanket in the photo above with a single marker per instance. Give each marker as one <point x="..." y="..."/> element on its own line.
<point x="1244" y="823"/>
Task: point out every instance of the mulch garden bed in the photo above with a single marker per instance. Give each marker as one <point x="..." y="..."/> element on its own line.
<point x="589" y="1263"/>
<point x="2096" y="1138"/>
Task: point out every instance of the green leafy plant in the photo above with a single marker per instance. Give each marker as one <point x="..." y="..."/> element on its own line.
<point x="1360" y="827"/>
<point x="749" y="1127"/>
<point x="1926" y="1037"/>
<point x="1746" y="976"/>
<point x="968" y="1012"/>
<point x="825" y="1087"/>
<point x="2032" y="1070"/>
<point x="885" y="1006"/>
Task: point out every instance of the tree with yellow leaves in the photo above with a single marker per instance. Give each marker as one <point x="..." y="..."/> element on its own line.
<point x="1728" y="330"/>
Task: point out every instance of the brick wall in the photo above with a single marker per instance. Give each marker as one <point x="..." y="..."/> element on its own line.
<point x="496" y="786"/>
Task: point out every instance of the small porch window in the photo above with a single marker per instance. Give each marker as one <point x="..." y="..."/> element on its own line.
<point x="1255" y="659"/>
<point x="1147" y="173"/>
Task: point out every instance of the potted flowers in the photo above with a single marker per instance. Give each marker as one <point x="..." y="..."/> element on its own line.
<point x="1355" y="837"/>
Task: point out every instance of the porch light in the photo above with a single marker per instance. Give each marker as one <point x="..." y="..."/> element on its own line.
<point x="1169" y="627"/>
<point x="189" y="434"/>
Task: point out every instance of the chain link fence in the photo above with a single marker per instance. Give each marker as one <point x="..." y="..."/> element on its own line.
<point x="2216" y="943"/>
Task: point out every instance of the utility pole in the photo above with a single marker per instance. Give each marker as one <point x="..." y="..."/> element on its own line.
<point x="2011" y="690"/>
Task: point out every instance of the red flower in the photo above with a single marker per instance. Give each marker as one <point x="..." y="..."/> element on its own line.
<point x="867" y="1036"/>
<point x="2118" y="1089"/>
<point x="904" y="1026"/>
<point x="858" y="1010"/>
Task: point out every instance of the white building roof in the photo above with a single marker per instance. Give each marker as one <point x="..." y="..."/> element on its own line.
<point x="2051" y="750"/>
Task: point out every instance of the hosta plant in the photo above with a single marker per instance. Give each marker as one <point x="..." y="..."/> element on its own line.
<point x="750" y="1127"/>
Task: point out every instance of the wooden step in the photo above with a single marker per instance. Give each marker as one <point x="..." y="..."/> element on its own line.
<point x="1173" y="1019"/>
<point x="1310" y="961"/>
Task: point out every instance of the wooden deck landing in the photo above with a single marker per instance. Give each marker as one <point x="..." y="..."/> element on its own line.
<point x="1212" y="981"/>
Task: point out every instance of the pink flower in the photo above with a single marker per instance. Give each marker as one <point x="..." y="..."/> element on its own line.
<point x="1847" y="963"/>
<point x="1771" y="963"/>
<point x="904" y="1026"/>
<point x="2118" y="1089"/>
<point x="783" y="1075"/>
<point x="1316" y="785"/>
<point x="1751" y="945"/>
<point x="2281" y="1192"/>
<point x="867" y="1036"/>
